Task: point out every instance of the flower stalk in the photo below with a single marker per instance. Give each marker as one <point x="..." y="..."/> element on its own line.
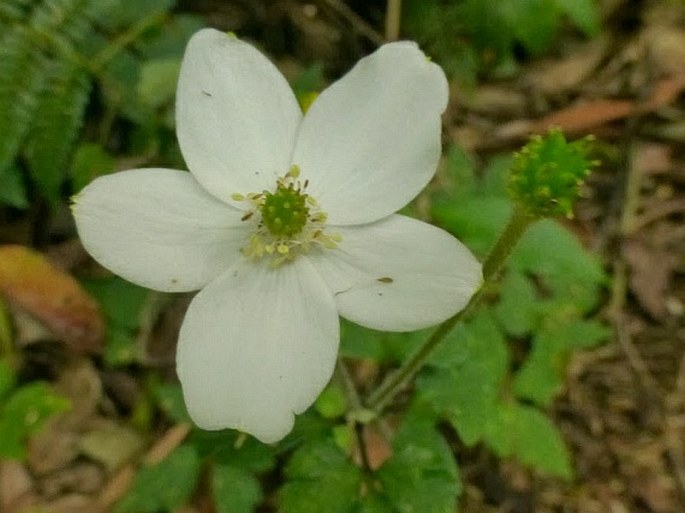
<point x="386" y="392"/>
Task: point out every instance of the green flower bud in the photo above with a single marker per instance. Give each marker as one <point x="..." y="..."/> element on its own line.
<point x="548" y="172"/>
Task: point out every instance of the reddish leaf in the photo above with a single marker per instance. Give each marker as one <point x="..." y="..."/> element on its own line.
<point x="30" y="281"/>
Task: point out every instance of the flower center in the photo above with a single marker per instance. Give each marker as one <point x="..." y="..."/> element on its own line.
<point x="288" y="221"/>
<point x="284" y="212"/>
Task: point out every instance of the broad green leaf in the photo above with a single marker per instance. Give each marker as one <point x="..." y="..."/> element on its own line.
<point x="466" y="377"/>
<point x="542" y="375"/>
<point x="518" y="309"/>
<point x="320" y="478"/>
<point x="164" y="486"/>
<point x="421" y="475"/>
<point x="24" y="412"/>
<point x="475" y="220"/>
<point x="550" y="251"/>
<point x="234" y="489"/>
<point x="527" y="434"/>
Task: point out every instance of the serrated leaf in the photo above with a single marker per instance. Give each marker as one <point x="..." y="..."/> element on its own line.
<point x="234" y="490"/>
<point x="421" y="475"/>
<point x="320" y="478"/>
<point x="466" y="377"/>
<point x="21" y="69"/>
<point x="24" y="413"/>
<point x="549" y="251"/>
<point x="49" y="142"/>
<point x="542" y="375"/>
<point x="530" y="436"/>
<point x="164" y="486"/>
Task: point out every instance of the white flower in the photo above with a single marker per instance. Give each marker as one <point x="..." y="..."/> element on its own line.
<point x="284" y="222"/>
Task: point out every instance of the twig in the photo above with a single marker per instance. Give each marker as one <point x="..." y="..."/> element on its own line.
<point x="359" y="24"/>
<point x="393" y="16"/>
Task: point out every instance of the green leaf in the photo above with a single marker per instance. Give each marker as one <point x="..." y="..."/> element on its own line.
<point x="320" y="478"/>
<point x="234" y="490"/>
<point x="169" y="396"/>
<point x="332" y="402"/>
<point x="519" y="306"/>
<point x="535" y="23"/>
<point x="52" y="134"/>
<point x="21" y="69"/>
<point x="421" y="475"/>
<point x="121" y="301"/>
<point x="164" y="486"/>
<point x="530" y="436"/>
<point x="572" y="274"/>
<point x="24" y="413"/>
<point x="90" y="161"/>
<point x="583" y="13"/>
<point x="13" y="190"/>
<point x="8" y="378"/>
<point x="542" y="375"/>
<point x="467" y="374"/>
<point x="229" y="447"/>
<point x="158" y="80"/>
<point x="475" y="220"/>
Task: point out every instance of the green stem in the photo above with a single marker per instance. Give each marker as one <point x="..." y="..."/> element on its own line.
<point x="125" y="39"/>
<point x="379" y="398"/>
<point x="6" y="345"/>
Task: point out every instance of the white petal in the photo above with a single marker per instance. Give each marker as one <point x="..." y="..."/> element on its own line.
<point x="158" y="228"/>
<point x="371" y="141"/>
<point x="236" y="115"/>
<point x="398" y="274"/>
<point x="257" y="345"/>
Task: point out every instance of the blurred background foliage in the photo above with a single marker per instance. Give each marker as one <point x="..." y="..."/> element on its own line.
<point x="87" y="88"/>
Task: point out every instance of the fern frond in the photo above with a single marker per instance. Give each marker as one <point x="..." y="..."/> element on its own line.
<point x="59" y="116"/>
<point x="21" y="69"/>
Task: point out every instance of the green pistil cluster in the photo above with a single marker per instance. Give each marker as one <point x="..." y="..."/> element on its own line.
<point x="547" y="174"/>
<point x="288" y="221"/>
<point x="284" y="212"/>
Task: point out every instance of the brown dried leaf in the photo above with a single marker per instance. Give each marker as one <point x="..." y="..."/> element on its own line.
<point x="30" y="281"/>
<point x="651" y="270"/>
